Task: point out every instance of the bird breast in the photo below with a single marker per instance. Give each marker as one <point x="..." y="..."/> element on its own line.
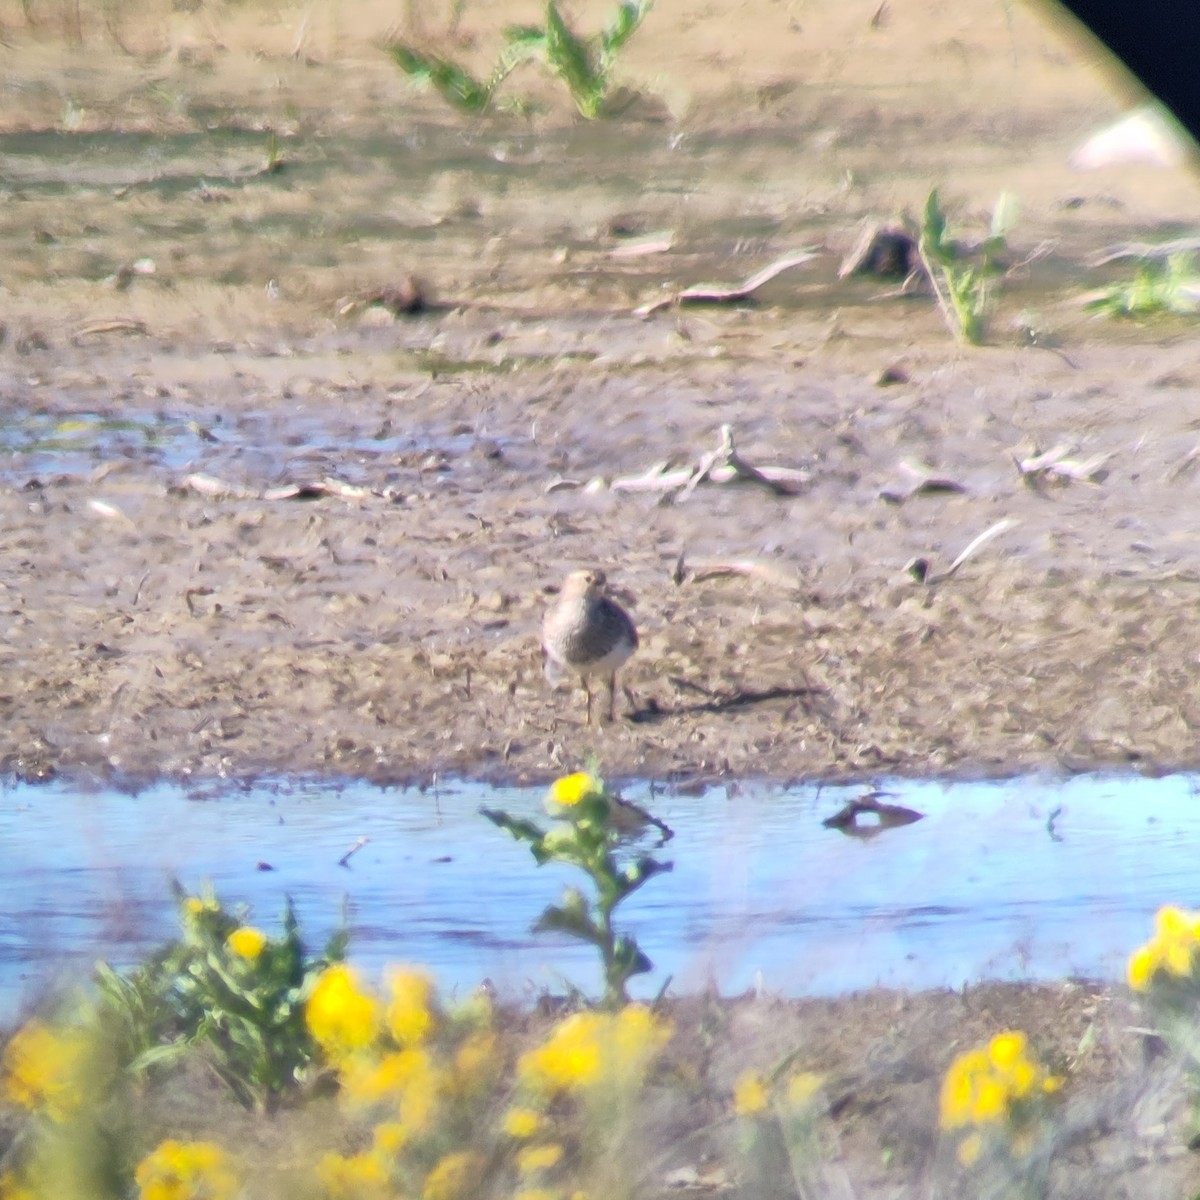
<point x="596" y="636"/>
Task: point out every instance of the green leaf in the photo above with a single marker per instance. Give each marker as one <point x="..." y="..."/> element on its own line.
<point x="454" y="84"/>
<point x="636" y="873"/>
<point x="115" y="987"/>
<point x="525" y="43"/>
<point x="993" y="250"/>
<point x="167" y="1054"/>
<point x="335" y="947"/>
<point x="522" y="830"/>
<point x="572" y="916"/>
<point x="933" y="224"/>
<point x="528" y="37"/>
<point x="1155" y="290"/>
<point x="1004" y="215"/>
<point x="627" y="955"/>
<point x="570" y="60"/>
<point x="594" y="812"/>
<point x="1087" y="1042"/>
<point x="629" y="15"/>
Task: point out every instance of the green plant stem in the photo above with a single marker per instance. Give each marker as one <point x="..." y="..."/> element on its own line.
<point x="615" y="993"/>
<point x="949" y="315"/>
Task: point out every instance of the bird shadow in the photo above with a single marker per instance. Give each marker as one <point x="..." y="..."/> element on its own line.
<point x="720" y="702"/>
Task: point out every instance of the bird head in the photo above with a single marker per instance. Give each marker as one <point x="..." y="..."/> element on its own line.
<point x="585" y="583"/>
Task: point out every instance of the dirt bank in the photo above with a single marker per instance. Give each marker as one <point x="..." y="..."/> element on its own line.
<point x="154" y="624"/>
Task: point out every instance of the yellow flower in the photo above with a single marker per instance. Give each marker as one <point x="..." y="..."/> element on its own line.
<point x="186" y="1171"/>
<point x="521" y="1123"/>
<point x="571" y="789"/>
<point x="454" y="1177"/>
<point x="1172" y="922"/>
<point x="990" y="1101"/>
<point x="589" y="1050"/>
<point x="42" y="1069"/>
<point x="1006" y="1048"/>
<point x="389" y="1138"/>
<point x="369" y="1080"/>
<point x="356" y="1177"/>
<point x="959" y="1088"/>
<point x="195" y="907"/>
<point x="802" y="1088"/>
<point x="340" y="1017"/>
<point x="749" y="1094"/>
<point x="538" y="1158"/>
<point x="539" y="1194"/>
<point x="569" y="1059"/>
<point x="1143" y="964"/>
<point x="410" y="1015"/>
<point x="994" y="1086"/>
<point x="247" y="942"/>
<point x="1177" y="958"/>
<point x="1175" y="932"/>
<point x="409" y="1080"/>
<point x="955" y="1106"/>
<point x="1173" y="948"/>
<point x="1011" y="1066"/>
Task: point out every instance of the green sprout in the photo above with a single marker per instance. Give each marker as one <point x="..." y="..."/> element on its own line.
<point x="590" y="831"/>
<point x="1158" y="288"/>
<point x="274" y="161"/>
<point x="457" y="86"/>
<point x="962" y="279"/>
<point x="585" y="65"/>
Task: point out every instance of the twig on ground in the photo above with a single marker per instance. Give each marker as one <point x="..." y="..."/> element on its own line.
<point x="919" y="481"/>
<point x="746" y="568"/>
<point x="121" y="325"/>
<point x="1187" y="245"/>
<point x="919" y="567"/>
<point x="344" y="861"/>
<point x="722" y="465"/>
<point x="714" y="294"/>
<point x="1055" y="465"/>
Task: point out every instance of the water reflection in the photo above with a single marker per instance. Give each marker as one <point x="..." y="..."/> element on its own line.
<point x="1019" y="879"/>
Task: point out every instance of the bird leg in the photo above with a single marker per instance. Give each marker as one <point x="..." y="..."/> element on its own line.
<point x="587" y="687"/>
<point x="612" y="697"/>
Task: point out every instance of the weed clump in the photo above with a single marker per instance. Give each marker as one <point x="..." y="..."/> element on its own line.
<point x="585" y="66"/>
<point x="591" y="834"/>
<point x="963" y="279"/>
<point x="1158" y="288"/>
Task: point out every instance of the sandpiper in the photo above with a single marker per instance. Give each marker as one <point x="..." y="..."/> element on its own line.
<point x="588" y="633"/>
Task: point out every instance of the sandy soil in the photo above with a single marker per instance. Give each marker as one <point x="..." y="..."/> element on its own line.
<point x="152" y="629"/>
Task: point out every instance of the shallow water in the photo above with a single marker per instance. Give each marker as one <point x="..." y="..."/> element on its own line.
<point x="33" y="443"/>
<point x="1026" y="879"/>
<point x="43" y="444"/>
